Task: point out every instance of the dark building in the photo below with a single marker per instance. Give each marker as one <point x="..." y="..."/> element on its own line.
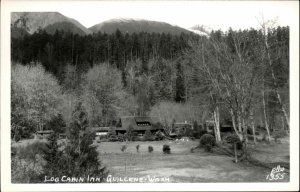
<point x="138" y="124"/>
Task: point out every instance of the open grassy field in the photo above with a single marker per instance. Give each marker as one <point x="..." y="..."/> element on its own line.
<point x="183" y="166"/>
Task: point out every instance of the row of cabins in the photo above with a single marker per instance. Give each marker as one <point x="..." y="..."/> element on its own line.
<point x="141" y="124"/>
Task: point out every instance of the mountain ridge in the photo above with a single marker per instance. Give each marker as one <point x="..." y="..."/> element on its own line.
<point x="131" y="25"/>
<point x="52" y="21"/>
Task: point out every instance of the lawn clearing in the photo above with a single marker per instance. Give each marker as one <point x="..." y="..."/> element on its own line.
<point x="182" y="165"/>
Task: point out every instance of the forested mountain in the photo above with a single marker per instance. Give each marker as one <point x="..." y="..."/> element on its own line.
<point x="56" y="50"/>
<point x="41" y="20"/>
<point x="136" y="26"/>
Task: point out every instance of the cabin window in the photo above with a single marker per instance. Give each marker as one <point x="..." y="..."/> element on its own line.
<point x="143" y="123"/>
<point x="101" y="133"/>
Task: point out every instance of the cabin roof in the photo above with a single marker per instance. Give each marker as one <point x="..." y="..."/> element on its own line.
<point x="137" y="123"/>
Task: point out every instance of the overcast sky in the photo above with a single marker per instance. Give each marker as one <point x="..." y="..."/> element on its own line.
<point x="216" y="15"/>
<point x="213" y="14"/>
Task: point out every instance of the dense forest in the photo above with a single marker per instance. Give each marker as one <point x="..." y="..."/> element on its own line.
<point x="175" y="77"/>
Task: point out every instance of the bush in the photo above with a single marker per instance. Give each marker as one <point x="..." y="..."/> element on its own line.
<point x="121" y="138"/>
<point x="113" y="138"/>
<point x="23" y="171"/>
<point x="207" y="139"/>
<point x="27" y="163"/>
<point x="166" y="149"/>
<point x="148" y="136"/>
<point x="135" y="137"/>
<point x="30" y="151"/>
<point x="150" y="149"/>
<point x="129" y="133"/>
<point x="123" y="148"/>
<point x="233" y="138"/>
<point x="159" y="136"/>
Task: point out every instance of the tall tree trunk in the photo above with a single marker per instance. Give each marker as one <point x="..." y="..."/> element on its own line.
<point x="265" y="115"/>
<point x="217" y="124"/>
<point x="234" y="124"/>
<point x="274" y="80"/>
<point x="235" y="153"/>
<point x="253" y="126"/>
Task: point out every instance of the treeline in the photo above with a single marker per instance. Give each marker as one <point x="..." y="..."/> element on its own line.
<point x="142" y="74"/>
<point x="62" y="48"/>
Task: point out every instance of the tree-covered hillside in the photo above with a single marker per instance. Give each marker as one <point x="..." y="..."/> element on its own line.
<point x="145" y="73"/>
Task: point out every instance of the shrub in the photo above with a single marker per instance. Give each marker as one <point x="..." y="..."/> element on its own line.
<point x="123" y="148"/>
<point x="148" y="136"/>
<point x="135" y="137"/>
<point x="30" y="151"/>
<point x="113" y="138"/>
<point x="207" y="139"/>
<point x="159" y="136"/>
<point x="121" y="138"/>
<point x="27" y="163"/>
<point x="129" y="133"/>
<point x="137" y="148"/>
<point x="23" y="171"/>
<point x="166" y="149"/>
<point x="233" y="138"/>
<point x="150" y="149"/>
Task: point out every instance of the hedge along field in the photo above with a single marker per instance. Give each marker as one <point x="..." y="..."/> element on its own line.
<point x="182" y="165"/>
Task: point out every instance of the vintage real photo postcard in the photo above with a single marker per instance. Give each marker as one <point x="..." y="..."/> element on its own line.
<point x="141" y="95"/>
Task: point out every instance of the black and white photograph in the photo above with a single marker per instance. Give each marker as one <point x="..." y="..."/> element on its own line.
<point x="138" y="92"/>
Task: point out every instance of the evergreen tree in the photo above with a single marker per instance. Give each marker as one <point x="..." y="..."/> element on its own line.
<point x="53" y="156"/>
<point x="78" y="125"/>
<point x="81" y="159"/>
<point x="180" y="89"/>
